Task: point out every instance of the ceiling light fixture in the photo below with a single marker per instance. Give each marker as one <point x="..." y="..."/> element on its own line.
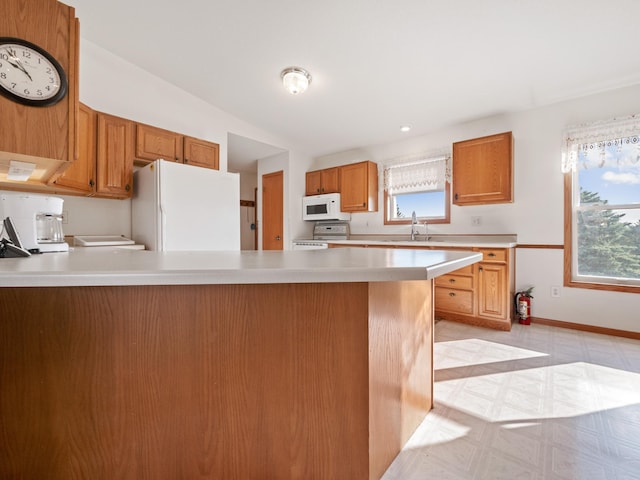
<point x="405" y="128"/>
<point x="295" y="79"/>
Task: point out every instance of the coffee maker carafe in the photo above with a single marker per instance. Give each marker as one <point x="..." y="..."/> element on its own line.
<point x="37" y="220"/>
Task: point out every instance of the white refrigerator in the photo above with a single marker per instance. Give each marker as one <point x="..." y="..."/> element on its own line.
<point x="177" y="207"/>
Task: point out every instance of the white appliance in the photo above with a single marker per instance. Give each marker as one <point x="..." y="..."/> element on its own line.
<point x="178" y="207"/>
<point x="323" y="232"/>
<point x="323" y="207"/>
<point x="37" y="219"/>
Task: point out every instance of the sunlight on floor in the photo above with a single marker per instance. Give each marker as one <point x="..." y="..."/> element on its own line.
<point x="551" y="405"/>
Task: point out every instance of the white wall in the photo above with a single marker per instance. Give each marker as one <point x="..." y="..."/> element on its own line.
<point x="537" y="213"/>
<point x="112" y="85"/>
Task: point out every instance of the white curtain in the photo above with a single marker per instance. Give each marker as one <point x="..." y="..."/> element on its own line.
<point x="594" y="145"/>
<point x="417" y="173"/>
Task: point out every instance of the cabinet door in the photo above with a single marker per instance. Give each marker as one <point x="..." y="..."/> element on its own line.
<point x="44" y="136"/>
<point x="330" y="180"/>
<point x="359" y="187"/>
<point x="114" y="156"/>
<point x="80" y="176"/>
<point x="313" y="183"/>
<point x="482" y="170"/>
<point x="454" y="300"/>
<point x="492" y="291"/>
<point x="153" y="143"/>
<point x="201" y="153"/>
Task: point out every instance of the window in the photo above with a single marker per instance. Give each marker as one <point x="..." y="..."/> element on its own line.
<point x="602" y="195"/>
<point x="419" y="184"/>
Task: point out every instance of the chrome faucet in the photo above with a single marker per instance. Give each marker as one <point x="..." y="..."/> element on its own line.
<point x="414" y="226"/>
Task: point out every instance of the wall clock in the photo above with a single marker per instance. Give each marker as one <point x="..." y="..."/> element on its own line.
<point x="29" y="74"/>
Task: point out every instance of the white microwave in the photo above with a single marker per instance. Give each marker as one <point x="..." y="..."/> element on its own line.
<point x="323" y="207"/>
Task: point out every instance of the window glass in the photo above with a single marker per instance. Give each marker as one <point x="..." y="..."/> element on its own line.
<point x="606" y="213"/>
<point x="426" y="205"/>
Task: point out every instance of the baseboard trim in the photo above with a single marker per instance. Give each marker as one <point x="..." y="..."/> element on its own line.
<point x="587" y="328"/>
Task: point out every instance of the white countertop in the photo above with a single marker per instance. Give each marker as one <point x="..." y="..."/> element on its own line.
<point x="463" y="241"/>
<point x="132" y="267"/>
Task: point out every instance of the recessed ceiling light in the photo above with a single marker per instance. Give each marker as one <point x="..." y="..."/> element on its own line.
<point x="295" y="79"/>
<point x="405" y="128"/>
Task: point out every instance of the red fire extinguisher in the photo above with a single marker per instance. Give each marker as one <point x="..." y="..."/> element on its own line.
<point x="523" y="306"/>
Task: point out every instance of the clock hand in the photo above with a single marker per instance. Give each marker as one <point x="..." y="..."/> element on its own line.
<point x="19" y="64"/>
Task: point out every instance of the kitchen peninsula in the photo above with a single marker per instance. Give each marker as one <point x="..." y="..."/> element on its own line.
<point x="150" y="365"/>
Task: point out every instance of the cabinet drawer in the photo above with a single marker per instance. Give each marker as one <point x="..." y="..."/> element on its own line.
<point x="468" y="270"/>
<point x="455" y="281"/>
<point x="493" y="254"/>
<point x="453" y="300"/>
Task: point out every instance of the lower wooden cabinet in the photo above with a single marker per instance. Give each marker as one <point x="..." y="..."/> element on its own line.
<point x="479" y="294"/>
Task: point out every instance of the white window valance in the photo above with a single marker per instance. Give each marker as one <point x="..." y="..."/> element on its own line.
<point x="597" y="144"/>
<point x="417" y="173"/>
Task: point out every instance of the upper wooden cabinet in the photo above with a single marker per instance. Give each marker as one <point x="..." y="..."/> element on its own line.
<point x="114" y="156"/>
<point x="153" y="143"/>
<point x="104" y="167"/>
<point x="201" y="153"/>
<point x="44" y="136"/>
<point x="323" y="181"/>
<point x="359" y="187"/>
<point x="80" y="176"/>
<point x="483" y="170"/>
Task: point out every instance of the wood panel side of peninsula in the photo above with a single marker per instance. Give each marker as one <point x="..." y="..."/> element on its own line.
<point x="279" y="381"/>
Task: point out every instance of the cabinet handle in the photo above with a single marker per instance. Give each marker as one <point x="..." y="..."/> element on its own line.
<point x="91" y="183"/>
<point x="491" y="254"/>
<point x="277" y="237"/>
<point x="452" y="280"/>
<point x="451" y="294"/>
<point x="456" y="196"/>
<point x="364" y="204"/>
<point x="479" y="269"/>
<point x="127" y="187"/>
<point x="186" y="160"/>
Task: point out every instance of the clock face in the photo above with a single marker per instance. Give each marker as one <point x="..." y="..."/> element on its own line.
<point x="30" y="75"/>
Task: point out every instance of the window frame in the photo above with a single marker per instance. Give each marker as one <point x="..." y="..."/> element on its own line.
<point x="570" y="184"/>
<point x="430" y="220"/>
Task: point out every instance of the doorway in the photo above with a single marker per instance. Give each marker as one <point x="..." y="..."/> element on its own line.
<point x="272" y="208"/>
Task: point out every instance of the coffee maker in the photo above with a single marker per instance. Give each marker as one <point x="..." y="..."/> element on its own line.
<point x="37" y="220"/>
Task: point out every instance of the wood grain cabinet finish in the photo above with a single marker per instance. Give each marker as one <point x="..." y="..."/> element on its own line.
<point x="305" y="381"/>
<point x="80" y="176"/>
<point x="479" y="294"/>
<point x="359" y="187"/>
<point x="201" y="153"/>
<point x="322" y="181"/>
<point x="153" y="143"/>
<point x="45" y="136"/>
<point x="483" y="170"/>
<point x="114" y="157"/>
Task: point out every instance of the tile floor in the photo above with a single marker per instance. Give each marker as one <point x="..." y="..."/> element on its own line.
<point x="535" y="403"/>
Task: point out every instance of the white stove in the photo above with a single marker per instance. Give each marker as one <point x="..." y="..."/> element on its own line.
<point x="322" y="233"/>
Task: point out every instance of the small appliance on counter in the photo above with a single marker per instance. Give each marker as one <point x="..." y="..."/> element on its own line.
<point x="323" y="232"/>
<point x="37" y="220"/>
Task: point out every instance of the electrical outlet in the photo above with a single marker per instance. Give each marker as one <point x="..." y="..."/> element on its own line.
<point x="476" y="221"/>
<point x="65" y="217"/>
<point x="555" y="292"/>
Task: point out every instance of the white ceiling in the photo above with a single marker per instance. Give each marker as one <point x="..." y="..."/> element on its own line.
<point x="376" y="64"/>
